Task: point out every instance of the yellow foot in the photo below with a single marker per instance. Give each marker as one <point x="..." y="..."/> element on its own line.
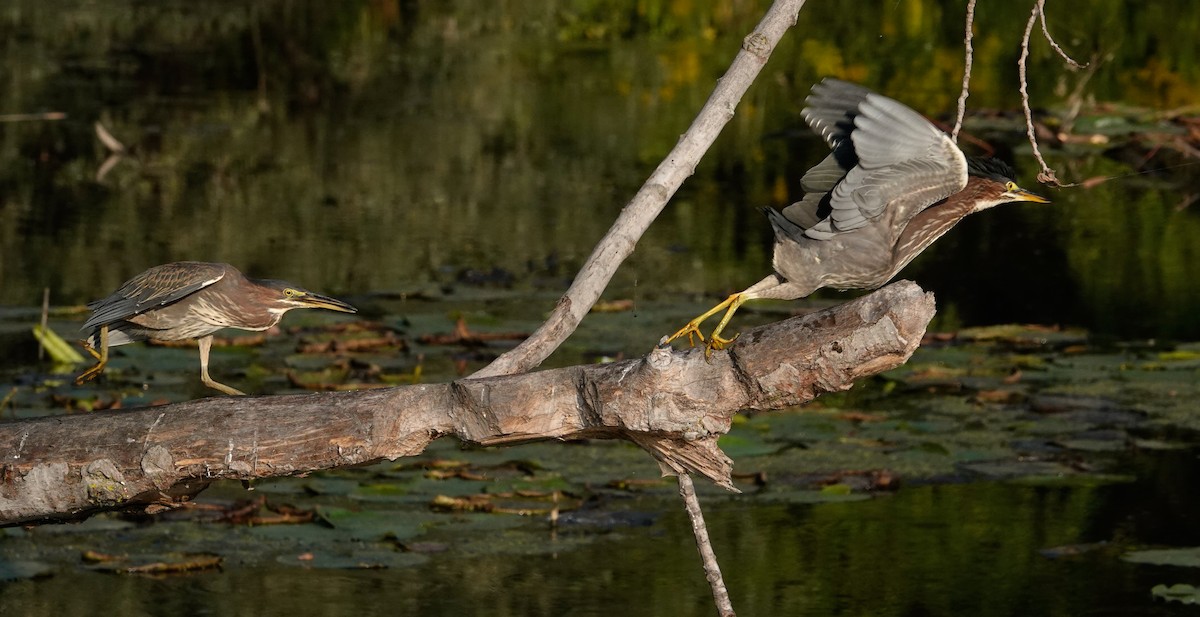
<point x="91" y="373"/>
<point x="691" y="330"/>
<point x="716" y="343"/>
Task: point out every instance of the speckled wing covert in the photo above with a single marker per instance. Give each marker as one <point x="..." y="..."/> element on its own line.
<point x="885" y="156"/>
<point x="158" y="286"/>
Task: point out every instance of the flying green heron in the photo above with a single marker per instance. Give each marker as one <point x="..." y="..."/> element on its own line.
<point x="893" y="184"/>
<point x="191" y="300"/>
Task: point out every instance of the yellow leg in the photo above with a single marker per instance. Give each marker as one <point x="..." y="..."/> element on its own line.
<point x="205" y="343"/>
<point x="714" y="341"/>
<point x="101" y="358"/>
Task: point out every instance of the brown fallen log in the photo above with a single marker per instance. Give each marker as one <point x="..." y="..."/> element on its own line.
<point x="671" y="402"/>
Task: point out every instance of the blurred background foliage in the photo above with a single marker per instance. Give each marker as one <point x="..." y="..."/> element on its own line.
<point x="380" y="145"/>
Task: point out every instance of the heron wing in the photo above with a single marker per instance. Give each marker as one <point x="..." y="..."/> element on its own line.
<point x="831" y="107"/>
<point x="158" y="286"/>
<point x="901" y="161"/>
<point x="816" y="184"/>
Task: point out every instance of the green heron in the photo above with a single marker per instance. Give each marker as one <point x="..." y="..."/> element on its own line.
<point x="893" y="184"/>
<point x="191" y="300"/>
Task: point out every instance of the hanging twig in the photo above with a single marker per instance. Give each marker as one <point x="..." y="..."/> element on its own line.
<point x="1046" y="175"/>
<point x="966" y="80"/>
<point x="1046" y="32"/>
<point x="712" y="570"/>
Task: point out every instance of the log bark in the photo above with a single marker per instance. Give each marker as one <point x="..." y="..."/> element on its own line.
<point x="673" y="403"/>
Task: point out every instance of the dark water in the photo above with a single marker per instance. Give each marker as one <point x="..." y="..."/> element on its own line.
<point x="941" y="550"/>
<point x="365" y="146"/>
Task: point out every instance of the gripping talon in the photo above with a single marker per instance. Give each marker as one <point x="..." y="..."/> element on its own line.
<point x="714" y="341"/>
<point x="691" y="330"/>
<point x="100" y="356"/>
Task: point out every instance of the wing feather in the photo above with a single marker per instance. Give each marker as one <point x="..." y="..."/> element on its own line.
<point x="158" y="286"/>
<point x="892" y="157"/>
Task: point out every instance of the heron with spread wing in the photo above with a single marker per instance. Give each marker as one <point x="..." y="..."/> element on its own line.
<point x="192" y="300"/>
<point x="892" y="184"/>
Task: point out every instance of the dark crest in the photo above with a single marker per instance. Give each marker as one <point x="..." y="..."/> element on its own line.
<point x="990" y="168"/>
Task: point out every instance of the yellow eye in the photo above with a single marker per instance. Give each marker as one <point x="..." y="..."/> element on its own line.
<point x="1011" y="186"/>
<point x="292" y="293"/>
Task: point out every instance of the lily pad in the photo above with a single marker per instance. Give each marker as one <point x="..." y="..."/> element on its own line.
<point x="357" y="560"/>
<point x="376" y="524"/>
<point x="1183" y="557"/>
<point x="18" y="570"/>
<point x="745" y="443"/>
<point x="160" y="564"/>
<point x="1182" y="593"/>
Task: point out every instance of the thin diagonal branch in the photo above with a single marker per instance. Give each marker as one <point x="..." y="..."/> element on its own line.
<point x="650" y="200"/>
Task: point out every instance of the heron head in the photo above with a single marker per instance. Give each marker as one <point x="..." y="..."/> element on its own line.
<point x="282" y="296"/>
<point x="995" y="185"/>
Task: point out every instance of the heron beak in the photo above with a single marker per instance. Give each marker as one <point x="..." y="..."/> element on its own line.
<point x="1024" y="195"/>
<point x="313" y="300"/>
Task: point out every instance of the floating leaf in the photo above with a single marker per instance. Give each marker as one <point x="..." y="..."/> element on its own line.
<point x="1183" y="557"/>
<point x="375" y="524"/>
<point x="470" y="503"/>
<point x="1182" y="593"/>
<point x="837" y="489"/>
<point x="169" y="563"/>
<point x="743" y="443"/>
<point x="60" y="350"/>
<point x="1179" y="355"/>
<point x="357" y="560"/>
<point x="17" y="570"/>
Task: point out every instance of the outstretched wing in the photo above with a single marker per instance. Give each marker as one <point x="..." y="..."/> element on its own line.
<point x="158" y="286"/>
<point x="889" y="156"/>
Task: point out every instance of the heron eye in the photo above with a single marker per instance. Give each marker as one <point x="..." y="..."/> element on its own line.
<point x="1011" y="186"/>
<point x="292" y="293"/>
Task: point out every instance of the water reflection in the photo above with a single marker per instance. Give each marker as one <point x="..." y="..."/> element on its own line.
<point x="976" y="549"/>
<point x="375" y="145"/>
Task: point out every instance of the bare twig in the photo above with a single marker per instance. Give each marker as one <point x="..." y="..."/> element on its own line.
<point x="48" y="115"/>
<point x="1050" y="39"/>
<point x="712" y="570"/>
<point x="966" y="81"/>
<point x="650" y="200"/>
<point x="113" y="144"/>
<point x="1046" y="175"/>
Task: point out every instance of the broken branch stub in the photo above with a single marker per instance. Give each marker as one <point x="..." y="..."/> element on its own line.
<point x="670" y="402"/>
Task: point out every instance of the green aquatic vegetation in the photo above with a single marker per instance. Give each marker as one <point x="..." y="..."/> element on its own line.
<point x="1182" y="557"/>
<point x="1179" y="592"/>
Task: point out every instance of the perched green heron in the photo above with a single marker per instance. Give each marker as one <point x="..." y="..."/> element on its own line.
<point x="191" y="300"/>
<point x="893" y="184"/>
